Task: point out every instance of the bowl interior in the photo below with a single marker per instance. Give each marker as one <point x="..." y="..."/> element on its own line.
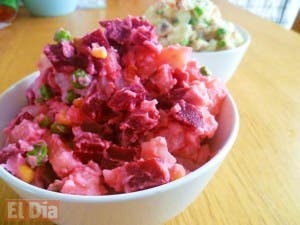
<point x="222" y="142"/>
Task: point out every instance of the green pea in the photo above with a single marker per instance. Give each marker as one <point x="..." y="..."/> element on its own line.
<point x="78" y="73"/>
<point x="221" y="43"/>
<point x="61" y="35"/>
<point x="45" y="92"/>
<point x="207" y="22"/>
<point x="220" y="33"/>
<point x="204" y="71"/>
<point x="193" y="21"/>
<point x="185" y="42"/>
<point x="198" y="11"/>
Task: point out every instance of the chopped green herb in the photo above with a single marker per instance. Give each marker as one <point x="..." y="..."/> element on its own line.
<point x="193" y="21"/>
<point x="59" y="128"/>
<point x="198" y="11"/>
<point x="45" y="92"/>
<point x="207" y="22"/>
<point x="204" y="71"/>
<point x="185" y="42"/>
<point x="71" y="95"/>
<point x="221" y="44"/>
<point x="40" y="150"/>
<point x="61" y="35"/>
<point x="45" y="122"/>
<point x="220" y="33"/>
<point x="175" y="21"/>
<point x="159" y="12"/>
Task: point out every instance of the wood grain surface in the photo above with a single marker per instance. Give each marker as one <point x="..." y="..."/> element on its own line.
<point x="259" y="182"/>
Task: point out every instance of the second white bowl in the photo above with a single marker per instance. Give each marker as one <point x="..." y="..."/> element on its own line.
<point x="223" y="63"/>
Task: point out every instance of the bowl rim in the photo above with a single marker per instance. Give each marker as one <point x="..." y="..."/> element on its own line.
<point x="246" y="35"/>
<point x="46" y="194"/>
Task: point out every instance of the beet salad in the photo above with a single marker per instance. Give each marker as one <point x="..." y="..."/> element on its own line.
<point x="113" y="112"/>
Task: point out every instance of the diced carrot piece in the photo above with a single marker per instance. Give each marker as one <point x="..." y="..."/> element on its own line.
<point x="78" y="102"/>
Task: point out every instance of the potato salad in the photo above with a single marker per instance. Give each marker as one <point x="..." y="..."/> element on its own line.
<point x="194" y="23"/>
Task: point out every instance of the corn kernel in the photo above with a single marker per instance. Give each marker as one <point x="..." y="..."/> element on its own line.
<point x="25" y="173"/>
<point x="99" y="52"/>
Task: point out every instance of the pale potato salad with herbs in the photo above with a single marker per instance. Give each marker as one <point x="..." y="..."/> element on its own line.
<point x="194" y="23"/>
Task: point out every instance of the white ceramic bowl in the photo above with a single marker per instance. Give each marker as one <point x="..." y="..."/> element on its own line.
<point x="223" y="63"/>
<point x="148" y="207"/>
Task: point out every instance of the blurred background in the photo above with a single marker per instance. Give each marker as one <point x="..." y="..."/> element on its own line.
<point x="282" y="12"/>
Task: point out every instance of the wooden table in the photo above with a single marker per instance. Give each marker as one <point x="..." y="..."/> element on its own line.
<point x="259" y="182"/>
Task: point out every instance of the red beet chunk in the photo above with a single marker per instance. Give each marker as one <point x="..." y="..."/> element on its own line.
<point x="127" y="98"/>
<point x="60" y="55"/>
<point x="130" y="31"/>
<point x="144" y="174"/>
<point x="95" y="107"/>
<point x="187" y="114"/>
<point x="89" y="146"/>
<point x="96" y="36"/>
<point x="142" y="119"/>
<point x="117" y="155"/>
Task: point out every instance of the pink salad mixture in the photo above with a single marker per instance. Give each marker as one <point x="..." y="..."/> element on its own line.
<point x="113" y="112"/>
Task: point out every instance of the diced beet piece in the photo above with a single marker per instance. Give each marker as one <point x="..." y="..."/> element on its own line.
<point x="24" y="116"/>
<point x="129" y="31"/>
<point x="127" y="98"/>
<point x="117" y="155"/>
<point x="60" y="55"/>
<point x="187" y="114"/>
<point x="89" y="146"/>
<point x="94" y="106"/>
<point x="96" y="36"/>
<point x="144" y="174"/>
<point x="104" y="130"/>
<point x="135" y="176"/>
<point x="142" y="119"/>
